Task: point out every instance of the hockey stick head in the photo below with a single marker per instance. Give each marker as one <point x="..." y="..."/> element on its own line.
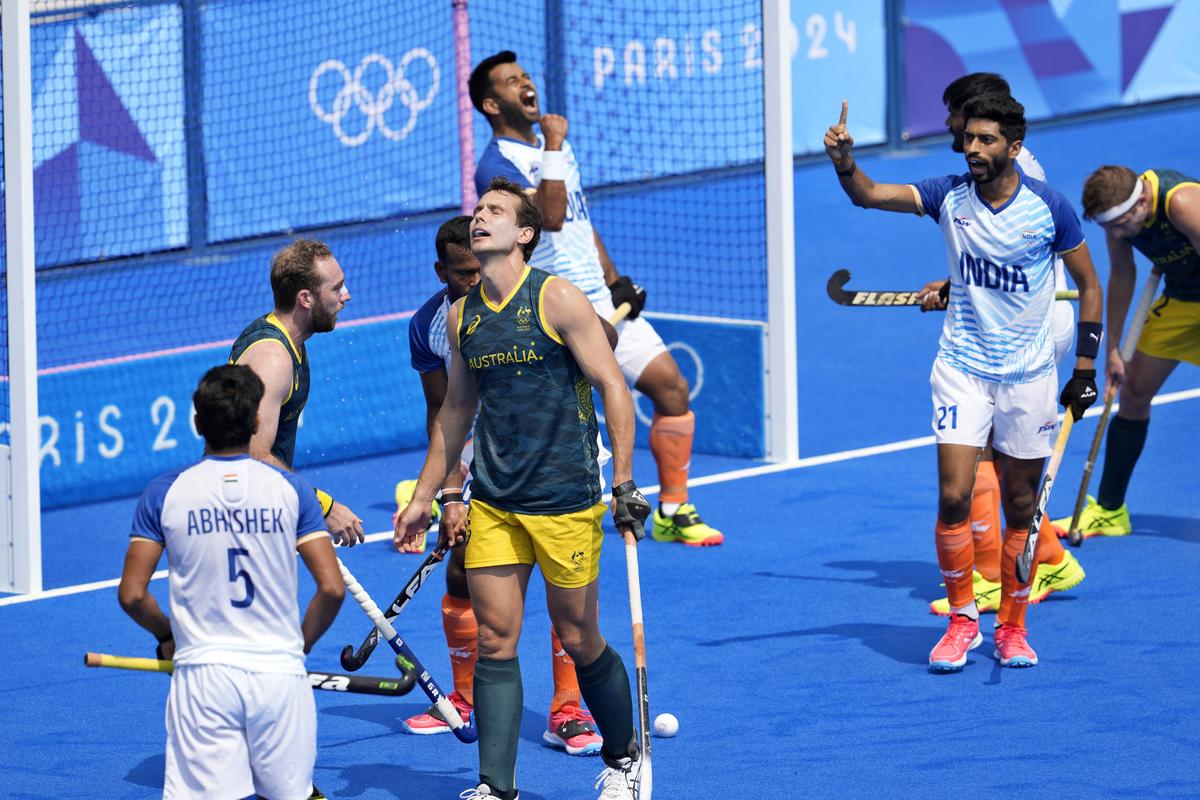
<point x="835" y="287"/>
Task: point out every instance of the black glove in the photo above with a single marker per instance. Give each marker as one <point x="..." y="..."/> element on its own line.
<point x="1079" y="393"/>
<point x="625" y="290"/>
<point x="630" y="508"/>
<point x="158" y="650"/>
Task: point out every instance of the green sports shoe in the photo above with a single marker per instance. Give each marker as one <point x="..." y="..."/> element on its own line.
<point x="685" y="526"/>
<point x="987" y="597"/>
<point x="1095" y="520"/>
<point x="1066" y="574"/>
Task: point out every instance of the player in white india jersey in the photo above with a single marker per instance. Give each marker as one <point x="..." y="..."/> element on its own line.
<point x="545" y="166"/>
<point x="240" y="713"/>
<point x="994" y="372"/>
<point x="1057" y="569"/>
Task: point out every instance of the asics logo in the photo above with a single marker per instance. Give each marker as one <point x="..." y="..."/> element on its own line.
<point x="375" y="70"/>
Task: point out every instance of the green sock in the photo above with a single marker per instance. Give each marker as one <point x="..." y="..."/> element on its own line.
<point x="604" y="685"/>
<point x="498" y="706"/>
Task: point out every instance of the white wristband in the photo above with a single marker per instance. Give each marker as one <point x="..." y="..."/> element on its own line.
<point x="554" y="165"/>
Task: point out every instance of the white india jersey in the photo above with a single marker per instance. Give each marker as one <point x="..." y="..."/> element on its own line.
<point x="1000" y="319"/>
<point x="571" y="252"/>
<point x="231" y="527"/>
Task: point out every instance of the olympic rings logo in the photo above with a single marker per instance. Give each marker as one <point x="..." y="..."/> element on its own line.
<point x="374" y="107"/>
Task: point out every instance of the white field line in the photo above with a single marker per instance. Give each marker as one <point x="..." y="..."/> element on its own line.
<point x="706" y="480"/>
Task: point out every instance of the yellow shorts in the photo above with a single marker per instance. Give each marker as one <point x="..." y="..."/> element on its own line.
<point x="565" y="546"/>
<point x="1172" y="331"/>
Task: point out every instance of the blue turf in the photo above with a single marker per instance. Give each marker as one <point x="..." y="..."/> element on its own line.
<point x="794" y="656"/>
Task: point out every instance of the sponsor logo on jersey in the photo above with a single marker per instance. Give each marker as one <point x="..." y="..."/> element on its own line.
<point x="962" y="222"/>
<point x="1049" y="425"/>
<point x="473" y="325"/>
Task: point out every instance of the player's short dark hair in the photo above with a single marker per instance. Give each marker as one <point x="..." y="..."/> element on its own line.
<point x="455" y="231"/>
<point x="962" y="90"/>
<point x="1001" y="109"/>
<point x="1107" y="187"/>
<point x="528" y="215"/>
<point x="226" y="405"/>
<point x="295" y="268"/>
<point x="479" y="85"/>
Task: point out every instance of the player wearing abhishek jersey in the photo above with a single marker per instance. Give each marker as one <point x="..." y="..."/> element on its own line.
<point x="1057" y="569"/>
<point x="545" y="165"/>
<point x="240" y="716"/>
<point x="994" y="372"/>
<point x="1156" y="213"/>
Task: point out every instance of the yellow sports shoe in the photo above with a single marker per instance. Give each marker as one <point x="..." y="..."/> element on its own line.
<point x="987" y="597"/>
<point x="1066" y="574"/>
<point x="685" y="526"/>
<point x="1096" y="520"/>
<point x="404" y="495"/>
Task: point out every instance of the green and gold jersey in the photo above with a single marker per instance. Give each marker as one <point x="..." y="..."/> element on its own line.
<point x="268" y="328"/>
<point x="535" y="435"/>
<point x="1166" y="247"/>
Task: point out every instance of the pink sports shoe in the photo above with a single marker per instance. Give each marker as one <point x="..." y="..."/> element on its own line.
<point x="432" y="721"/>
<point x="574" y="730"/>
<point x="1012" y="648"/>
<point x="960" y="638"/>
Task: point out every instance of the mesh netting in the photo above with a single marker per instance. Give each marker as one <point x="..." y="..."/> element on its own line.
<point x="665" y="107"/>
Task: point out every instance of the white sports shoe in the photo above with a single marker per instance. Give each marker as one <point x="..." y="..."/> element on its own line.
<point x="480" y="792"/>
<point x="620" y="782"/>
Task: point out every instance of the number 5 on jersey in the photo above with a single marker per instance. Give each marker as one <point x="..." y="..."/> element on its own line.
<point x="235" y="574"/>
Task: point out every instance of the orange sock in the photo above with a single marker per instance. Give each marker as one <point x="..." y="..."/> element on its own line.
<point x="462" y="634"/>
<point x="985" y="521"/>
<point x="671" y="444"/>
<point x="955" y="556"/>
<point x="1014" y="597"/>
<point x="1049" y="548"/>
<point x="566" y="682"/>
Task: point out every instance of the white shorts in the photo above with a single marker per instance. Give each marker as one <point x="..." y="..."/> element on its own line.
<point x="233" y="733"/>
<point x="1023" y="417"/>
<point x="637" y="342"/>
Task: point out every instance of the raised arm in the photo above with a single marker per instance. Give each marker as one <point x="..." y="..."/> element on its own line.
<point x="861" y="190"/>
<point x="551" y="194"/>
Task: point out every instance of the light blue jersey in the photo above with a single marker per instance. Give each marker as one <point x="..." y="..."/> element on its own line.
<point x="231" y="527"/>
<point x="1002" y="275"/>
<point x="571" y="252"/>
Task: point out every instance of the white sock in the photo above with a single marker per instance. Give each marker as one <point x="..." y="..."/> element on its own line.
<point x="970" y="610"/>
<point x="668" y="509"/>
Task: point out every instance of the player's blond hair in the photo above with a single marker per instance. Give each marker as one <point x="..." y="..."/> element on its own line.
<point x="294" y="268"/>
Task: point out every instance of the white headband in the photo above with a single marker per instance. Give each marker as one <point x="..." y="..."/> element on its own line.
<point x="1104" y="217"/>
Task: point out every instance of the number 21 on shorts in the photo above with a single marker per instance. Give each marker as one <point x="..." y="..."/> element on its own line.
<point x="947" y="414"/>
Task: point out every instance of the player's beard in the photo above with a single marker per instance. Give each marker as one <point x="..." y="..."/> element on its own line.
<point x="995" y="167"/>
<point x="322" y="320"/>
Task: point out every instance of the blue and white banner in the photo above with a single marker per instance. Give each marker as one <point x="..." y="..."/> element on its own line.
<point x="1058" y="57"/>
<point x="684" y="80"/>
<point x="108" y="429"/>
<point x="109" y="156"/>
<point x="341" y="113"/>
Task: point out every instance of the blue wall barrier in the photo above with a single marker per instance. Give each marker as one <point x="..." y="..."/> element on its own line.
<point x="106" y="430"/>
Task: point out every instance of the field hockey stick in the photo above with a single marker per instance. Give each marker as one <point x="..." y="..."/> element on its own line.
<point x="352" y="660"/>
<point x="645" y="778"/>
<point x="835" y="287"/>
<point x="465" y="731"/>
<point x="1074" y="535"/>
<point x="327" y="681"/>
<point x="1025" y="561"/>
<point x="621" y="313"/>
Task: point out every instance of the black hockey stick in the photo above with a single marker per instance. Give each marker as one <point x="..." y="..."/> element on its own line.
<point x="352" y="660"/>
<point x="838" y="293"/>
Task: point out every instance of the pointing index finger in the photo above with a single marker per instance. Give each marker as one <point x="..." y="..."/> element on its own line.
<point x="842" y="121"/>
